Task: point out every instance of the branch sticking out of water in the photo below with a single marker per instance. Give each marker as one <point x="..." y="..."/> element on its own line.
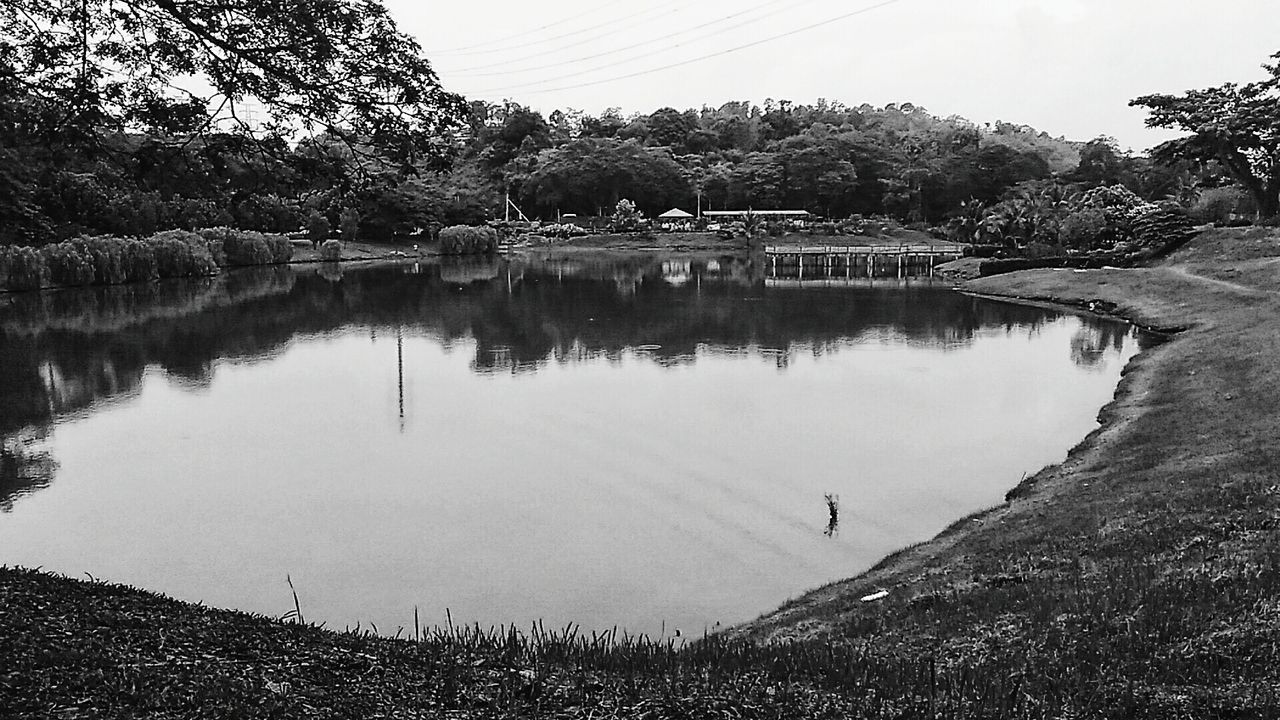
<point x="833" y="511"/>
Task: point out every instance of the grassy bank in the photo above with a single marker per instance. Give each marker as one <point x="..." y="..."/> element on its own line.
<point x="1149" y="559"/>
<point x="1140" y="578"/>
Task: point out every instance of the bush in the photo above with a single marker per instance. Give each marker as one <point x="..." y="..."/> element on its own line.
<point x="182" y="254"/>
<point x="106" y="254"/>
<point x="1223" y="206"/>
<point x="280" y="247"/>
<point x="241" y="247"/>
<point x="6" y="262"/>
<point x="349" y="224"/>
<point x="467" y="240"/>
<point x="331" y="251"/>
<point x="626" y="217"/>
<point x="1084" y="229"/>
<point x="215" y="240"/>
<point x="318" y="227"/>
<point x="66" y="264"/>
<point x="1162" y="229"/>
<point x="562" y="231"/>
<point x="247" y="248"/>
<point x="27" y="270"/>
<point x="139" y="261"/>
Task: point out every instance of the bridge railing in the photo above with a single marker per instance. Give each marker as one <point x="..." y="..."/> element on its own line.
<point x="863" y="250"/>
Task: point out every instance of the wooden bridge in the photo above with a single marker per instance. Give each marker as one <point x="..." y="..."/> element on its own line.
<point x="850" y="261"/>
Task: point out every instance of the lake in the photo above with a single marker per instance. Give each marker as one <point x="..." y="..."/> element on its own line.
<point x="643" y="442"/>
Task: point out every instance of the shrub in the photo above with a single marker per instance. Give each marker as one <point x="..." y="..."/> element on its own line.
<point x="775" y="229"/>
<point x="241" y="247"/>
<point x="331" y="251"/>
<point x="215" y="239"/>
<point x="280" y="247"/>
<point x="182" y="254"/>
<point x="563" y="231"/>
<point x="27" y="270"/>
<point x="106" y="255"/>
<point x="1222" y="206"/>
<point x="139" y="260"/>
<point x="1084" y="229"/>
<point x="1161" y="229"/>
<point x="467" y="240"/>
<point x="625" y="217"/>
<point x="349" y="223"/>
<point x="6" y="261"/>
<point x="67" y="265"/>
<point x="318" y="227"/>
<point x="247" y="248"/>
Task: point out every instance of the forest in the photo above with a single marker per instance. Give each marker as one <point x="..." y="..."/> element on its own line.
<point x="360" y="135"/>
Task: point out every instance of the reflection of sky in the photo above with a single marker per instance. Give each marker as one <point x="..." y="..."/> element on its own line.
<point x="604" y="490"/>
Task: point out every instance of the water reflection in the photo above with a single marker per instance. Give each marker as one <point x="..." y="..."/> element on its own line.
<point x="645" y="432"/>
<point x="65" y="351"/>
<point x="1090" y="344"/>
<point x="25" y="466"/>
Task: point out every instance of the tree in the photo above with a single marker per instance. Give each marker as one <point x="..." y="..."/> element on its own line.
<point x="318" y="228"/>
<point x="591" y="173"/>
<point x="73" y="70"/>
<point x="1235" y="125"/>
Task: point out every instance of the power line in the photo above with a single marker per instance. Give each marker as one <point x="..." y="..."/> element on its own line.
<point x="494" y="41"/>
<point x="615" y="51"/>
<point x="690" y="61"/>
<point x="571" y="33"/>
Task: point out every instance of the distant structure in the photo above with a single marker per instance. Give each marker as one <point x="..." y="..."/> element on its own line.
<point x="675" y="219"/>
<point x="795" y="217"/>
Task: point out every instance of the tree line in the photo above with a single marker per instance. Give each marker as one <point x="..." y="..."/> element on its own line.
<point x="352" y="129"/>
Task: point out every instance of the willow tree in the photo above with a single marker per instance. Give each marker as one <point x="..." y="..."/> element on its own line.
<point x="1236" y="125"/>
<point x="73" y="71"/>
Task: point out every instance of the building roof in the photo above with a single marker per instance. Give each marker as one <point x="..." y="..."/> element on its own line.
<point x="674" y="214"/>
<point x="762" y="213"/>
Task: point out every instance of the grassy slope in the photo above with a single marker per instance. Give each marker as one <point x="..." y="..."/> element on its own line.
<point x="1153" y="553"/>
<point x="1138" y="579"/>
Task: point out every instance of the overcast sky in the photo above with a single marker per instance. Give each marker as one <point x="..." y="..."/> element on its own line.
<point x="1065" y="66"/>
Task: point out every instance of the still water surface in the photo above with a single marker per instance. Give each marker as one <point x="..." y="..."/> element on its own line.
<point x="644" y="444"/>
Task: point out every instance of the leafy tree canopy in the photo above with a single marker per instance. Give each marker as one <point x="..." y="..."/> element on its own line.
<point x="1237" y="126"/>
<point x="75" y="70"/>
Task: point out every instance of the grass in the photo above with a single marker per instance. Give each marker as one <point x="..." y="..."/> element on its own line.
<point x="1138" y="579"/>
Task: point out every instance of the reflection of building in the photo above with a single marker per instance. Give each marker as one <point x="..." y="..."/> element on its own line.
<point x="464" y="271"/>
<point x="676" y="272"/>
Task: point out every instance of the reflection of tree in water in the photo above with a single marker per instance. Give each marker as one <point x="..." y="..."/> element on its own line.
<point x="1091" y="343"/>
<point x="64" y="351"/>
<point x="25" y="467"/>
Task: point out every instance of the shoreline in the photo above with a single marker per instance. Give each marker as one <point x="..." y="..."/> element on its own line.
<point x="1157" y="540"/>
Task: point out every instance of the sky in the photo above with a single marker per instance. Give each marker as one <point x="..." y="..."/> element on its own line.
<point x="1068" y="67"/>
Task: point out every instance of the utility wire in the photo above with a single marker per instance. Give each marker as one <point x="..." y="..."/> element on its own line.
<point x="462" y="49"/>
<point x="571" y="33"/>
<point x="669" y="66"/>
<point x="615" y="51"/>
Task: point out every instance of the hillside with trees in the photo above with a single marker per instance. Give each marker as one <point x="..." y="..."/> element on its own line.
<point x="358" y="134"/>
